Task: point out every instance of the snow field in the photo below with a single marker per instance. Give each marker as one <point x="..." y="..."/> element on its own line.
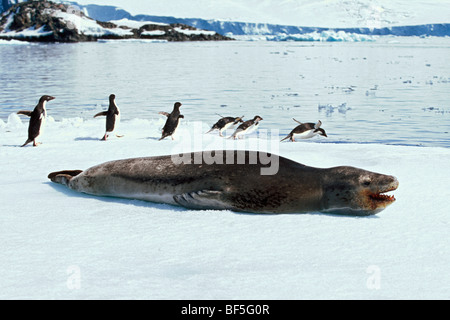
<point x="59" y="244"/>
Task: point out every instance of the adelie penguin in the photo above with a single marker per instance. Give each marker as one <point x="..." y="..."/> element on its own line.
<point x="225" y="123"/>
<point x="247" y="127"/>
<point x="37" y="120"/>
<point x="112" y="117"/>
<point x="172" y="122"/>
<point x="306" y="131"/>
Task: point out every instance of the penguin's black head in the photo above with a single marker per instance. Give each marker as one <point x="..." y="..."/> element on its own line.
<point x="46" y="98"/>
<point x="257" y="118"/>
<point x="112" y="97"/>
<point x="321" y="132"/>
<point x="177" y="104"/>
<point x="238" y="120"/>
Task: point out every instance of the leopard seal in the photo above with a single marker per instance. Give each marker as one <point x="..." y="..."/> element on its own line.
<point x="233" y="180"/>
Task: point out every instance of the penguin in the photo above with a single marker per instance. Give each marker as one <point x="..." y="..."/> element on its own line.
<point x="112" y="117"/>
<point x="247" y="127"/>
<point x="225" y="123"/>
<point x="37" y="120"/>
<point x="172" y="122"/>
<point x="306" y="131"/>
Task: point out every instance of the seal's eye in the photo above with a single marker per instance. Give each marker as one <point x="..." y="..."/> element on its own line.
<point x="366" y="182"/>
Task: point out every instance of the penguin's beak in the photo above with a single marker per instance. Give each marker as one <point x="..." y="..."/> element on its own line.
<point x="50" y="98"/>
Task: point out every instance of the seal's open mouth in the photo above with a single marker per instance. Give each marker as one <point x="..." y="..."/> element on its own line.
<point x="381" y="199"/>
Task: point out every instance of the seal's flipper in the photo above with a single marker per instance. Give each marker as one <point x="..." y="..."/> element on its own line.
<point x="63" y="177"/>
<point x="203" y="200"/>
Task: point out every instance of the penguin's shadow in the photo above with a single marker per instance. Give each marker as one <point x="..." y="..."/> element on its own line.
<point x="137" y="203"/>
<point x="12" y="145"/>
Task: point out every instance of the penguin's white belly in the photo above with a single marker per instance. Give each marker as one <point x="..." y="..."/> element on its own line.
<point x="42" y="127"/>
<point x="226" y="127"/>
<point x="117" y="121"/>
<point x="176" y="128"/>
<point x="305" y="135"/>
<point x="252" y="128"/>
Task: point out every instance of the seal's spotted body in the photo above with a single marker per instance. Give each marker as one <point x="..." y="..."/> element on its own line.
<point x="237" y="186"/>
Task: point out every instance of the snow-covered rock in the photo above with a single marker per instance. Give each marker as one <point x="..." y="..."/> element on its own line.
<point x="56" y="22"/>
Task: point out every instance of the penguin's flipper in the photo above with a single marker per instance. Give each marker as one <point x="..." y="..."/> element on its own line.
<point x="164" y="113"/>
<point x="25" y="113"/>
<point x="296" y="121"/>
<point x="203" y="200"/>
<point x="103" y="113"/>
<point x="63" y="177"/>
<point x="318" y="124"/>
<point x="289" y="136"/>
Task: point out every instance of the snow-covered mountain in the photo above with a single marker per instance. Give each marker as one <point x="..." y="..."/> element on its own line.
<point x="285" y="20"/>
<point x="311" y="13"/>
<point x="289" y="17"/>
<point x="366" y="25"/>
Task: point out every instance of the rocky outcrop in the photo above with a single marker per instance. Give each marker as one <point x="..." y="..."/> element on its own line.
<point x="45" y="21"/>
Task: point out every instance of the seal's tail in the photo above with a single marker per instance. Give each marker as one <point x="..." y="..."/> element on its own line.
<point x="63" y="177"/>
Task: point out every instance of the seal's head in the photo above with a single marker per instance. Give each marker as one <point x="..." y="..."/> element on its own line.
<point x="353" y="191"/>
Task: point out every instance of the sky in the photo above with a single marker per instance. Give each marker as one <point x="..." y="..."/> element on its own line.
<point x="295" y="12"/>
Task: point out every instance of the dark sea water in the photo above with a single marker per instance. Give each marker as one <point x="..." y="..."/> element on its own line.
<point x="391" y="91"/>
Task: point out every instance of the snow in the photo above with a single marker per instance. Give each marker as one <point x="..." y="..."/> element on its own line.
<point x="316" y="13"/>
<point x="14" y="42"/>
<point x="88" y="26"/>
<point x="29" y="32"/>
<point x="135" y="24"/>
<point x="154" y="33"/>
<point x="323" y="36"/>
<point x="59" y="244"/>
<point x="132" y="40"/>
<point x="194" y="32"/>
